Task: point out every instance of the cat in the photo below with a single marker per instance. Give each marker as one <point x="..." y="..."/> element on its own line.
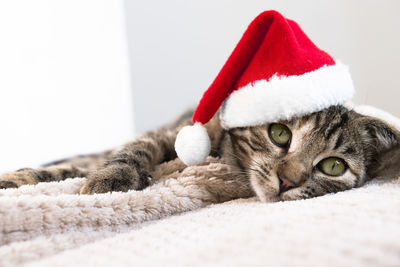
<point x="324" y="152"/>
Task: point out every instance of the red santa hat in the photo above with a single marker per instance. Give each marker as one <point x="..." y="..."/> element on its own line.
<point x="275" y="72"/>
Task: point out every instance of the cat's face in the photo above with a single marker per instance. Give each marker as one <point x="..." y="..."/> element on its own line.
<point x="325" y="152"/>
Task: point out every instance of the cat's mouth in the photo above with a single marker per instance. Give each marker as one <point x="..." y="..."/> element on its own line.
<point x="284" y="184"/>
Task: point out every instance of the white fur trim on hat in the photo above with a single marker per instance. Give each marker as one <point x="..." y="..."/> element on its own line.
<point x="192" y="144"/>
<point x="285" y="97"/>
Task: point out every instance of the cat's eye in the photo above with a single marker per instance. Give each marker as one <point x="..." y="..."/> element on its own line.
<point x="279" y="134"/>
<point x="332" y="166"/>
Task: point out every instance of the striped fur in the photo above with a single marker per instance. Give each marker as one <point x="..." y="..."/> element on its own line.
<point x="334" y="132"/>
<point x="368" y="146"/>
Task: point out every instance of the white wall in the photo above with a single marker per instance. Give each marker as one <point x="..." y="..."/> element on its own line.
<point x="178" y="47"/>
<point x="64" y="80"/>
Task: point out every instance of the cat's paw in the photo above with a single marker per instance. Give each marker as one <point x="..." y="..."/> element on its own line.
<point x="18" y="178"/>
<point x="119" y="177"/>
<point x="4" y="184"/>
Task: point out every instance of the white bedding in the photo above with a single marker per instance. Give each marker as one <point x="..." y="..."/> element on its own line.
<point x="359" y="227"/>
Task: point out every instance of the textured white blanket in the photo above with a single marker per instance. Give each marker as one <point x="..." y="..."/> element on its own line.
<point x="359" y="227"/>
<point x="50" y="225"/>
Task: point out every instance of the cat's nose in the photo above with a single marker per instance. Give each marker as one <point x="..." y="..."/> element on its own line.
<point x="291" y="174"/>
<point x="284" y="183"/>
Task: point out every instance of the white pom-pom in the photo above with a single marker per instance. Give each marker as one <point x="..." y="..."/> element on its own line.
<point x="192" y="144"/>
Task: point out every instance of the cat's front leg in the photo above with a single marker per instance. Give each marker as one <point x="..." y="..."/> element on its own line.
<point x="20" y="177"/>
<point x="130" y="168"/>
<point x="30" y="176"/>
<point x="116" y="177"/>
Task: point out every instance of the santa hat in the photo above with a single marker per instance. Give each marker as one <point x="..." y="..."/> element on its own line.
<point x="275" y="72"/>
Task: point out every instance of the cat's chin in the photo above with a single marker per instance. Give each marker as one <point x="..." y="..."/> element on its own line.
<point x="293" y="194"/>
<point x="269" y="190"/>
<point x="266" y="190"/>
<point x="287" y="196"/>
<point x="269" y="198"/>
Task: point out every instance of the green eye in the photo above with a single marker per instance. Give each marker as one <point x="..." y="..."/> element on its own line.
<point x="279" y="134"/>
<point x="332" y="166"/>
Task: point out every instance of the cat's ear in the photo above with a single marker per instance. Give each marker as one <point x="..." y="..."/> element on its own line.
<point x="382" y="146"/>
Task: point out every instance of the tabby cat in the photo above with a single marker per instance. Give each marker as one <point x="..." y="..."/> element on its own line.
<point x="328" y="151"/>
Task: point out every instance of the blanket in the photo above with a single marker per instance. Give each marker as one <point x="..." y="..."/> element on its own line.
<point x="359" y="227"/>
<point x="34" y="212"/>
<point x="176" y="222"/>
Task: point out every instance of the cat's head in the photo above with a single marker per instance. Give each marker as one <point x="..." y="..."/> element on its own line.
<point x="329" y="151"/>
